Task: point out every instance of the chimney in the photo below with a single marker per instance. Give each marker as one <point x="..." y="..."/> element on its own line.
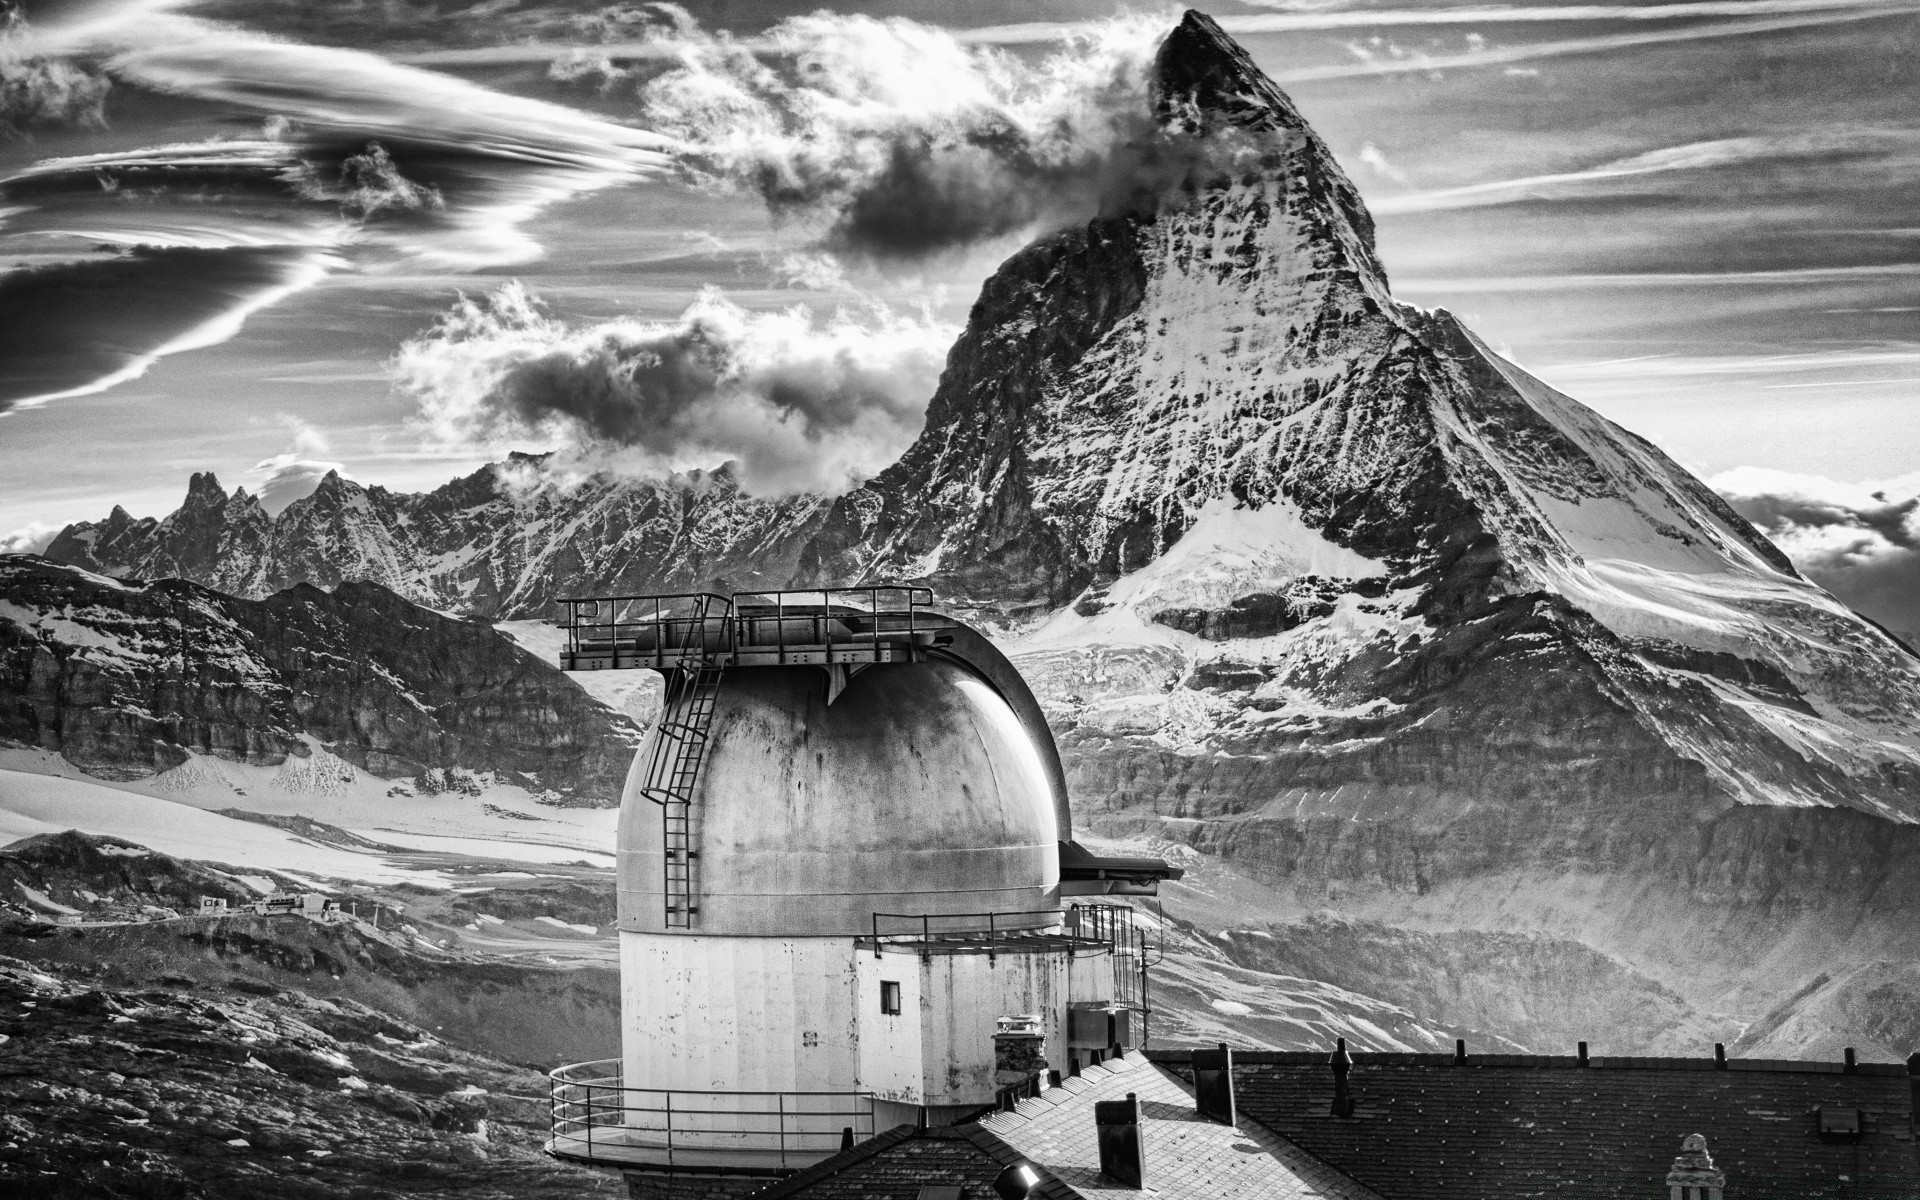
<point x="1913" y="1088"/>
<point x="1693" y="1176"/>
<point x="1341" y="1064"/>
<point x="1213" y="1084"/>
<point x="1019" y="1051"/>
<point x="1122" y="1159"/>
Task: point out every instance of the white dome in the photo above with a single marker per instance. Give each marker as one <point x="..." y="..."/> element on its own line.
<point x="918" y="790"/>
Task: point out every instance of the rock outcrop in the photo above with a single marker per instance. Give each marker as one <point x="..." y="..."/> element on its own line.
<point x="128" y="679"/>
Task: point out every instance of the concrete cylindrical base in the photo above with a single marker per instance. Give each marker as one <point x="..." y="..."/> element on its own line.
<point x="738" y="1014"/>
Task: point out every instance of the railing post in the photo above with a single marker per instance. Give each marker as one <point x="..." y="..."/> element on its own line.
<point x="669" y="1118"/>
<point x="782" y="1098"/>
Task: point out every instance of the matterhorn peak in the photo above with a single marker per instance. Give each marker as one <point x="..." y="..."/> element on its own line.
<point x="1203" y="75"/>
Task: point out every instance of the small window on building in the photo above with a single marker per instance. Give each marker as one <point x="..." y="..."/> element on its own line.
<point x="889" y="998"/>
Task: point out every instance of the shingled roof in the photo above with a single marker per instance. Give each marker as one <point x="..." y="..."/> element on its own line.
<point x="898" y="1163"/>
<point x="1506" y="1127"/>
<point x="1186" y="1155"/>
<point x="1187" y="1158"/>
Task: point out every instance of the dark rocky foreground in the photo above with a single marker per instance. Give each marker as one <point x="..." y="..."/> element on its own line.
<point x="186" y="1092"/>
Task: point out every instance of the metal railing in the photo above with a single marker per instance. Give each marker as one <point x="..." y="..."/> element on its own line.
<point x="816" y="624"/>
<point x="991" y="932"/>
<point x="669" y="629"/>
<point x="596" y="1118"/>
<point x="662" y="626"/>
<point x="1113" y="925"/>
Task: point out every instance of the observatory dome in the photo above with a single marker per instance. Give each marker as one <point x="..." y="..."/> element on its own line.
<point x="916" y="790"/>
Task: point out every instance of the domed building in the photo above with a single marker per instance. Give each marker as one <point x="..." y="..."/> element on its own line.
<point x="848" y="895"/>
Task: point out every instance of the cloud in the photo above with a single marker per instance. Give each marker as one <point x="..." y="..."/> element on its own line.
<point x="796" y="404"/>
<point x="37" y="90"/>
<point x="366" y="183"/>
<point x="1896" y="151"/>
<point x="898" y="141"/>
<point x="1799" y="16"/>
<point x="546" y="44"/>
<point x="363" y="164"/>
<point x="1375" y="159"/>
<point x="80" y="328"/>
<point x="295" y="473"/>
<point x="31" y="538"/>
<point x="1859" y="541"/>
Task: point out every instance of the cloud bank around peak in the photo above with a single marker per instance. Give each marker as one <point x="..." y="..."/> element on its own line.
<point x="296" y="472"/>
<point x="1859" y="541"/>
<point x="795" y="404"/>
<point x="897" y="141"/>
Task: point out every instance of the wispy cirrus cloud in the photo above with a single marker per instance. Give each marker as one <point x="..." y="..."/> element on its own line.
<point x="1895" y="153"/>
<point x="365" y="164"/>
<point x="1489" y="55"/>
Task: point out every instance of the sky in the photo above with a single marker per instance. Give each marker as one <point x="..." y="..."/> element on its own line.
<point x="270" y="239"/>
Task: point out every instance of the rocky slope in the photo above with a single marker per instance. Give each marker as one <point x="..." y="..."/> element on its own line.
<point x="186" y="1092"/>
<point x="128" y="679"/>
<point x="104" y="878"/>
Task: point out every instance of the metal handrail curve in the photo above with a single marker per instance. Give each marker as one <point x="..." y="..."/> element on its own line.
<point x="594" y="1116"/>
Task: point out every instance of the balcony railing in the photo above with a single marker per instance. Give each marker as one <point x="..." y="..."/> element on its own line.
<point x="596" y="1119"/>
<point x="1080" y="928"/>
<point x="822" y="626"/>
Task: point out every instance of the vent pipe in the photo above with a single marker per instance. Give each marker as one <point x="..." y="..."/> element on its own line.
<point x="1341" y="1063"/>
<point x="1122" y="1158"/>
<point x="1913" y="1090"/>
<point x="1213" y="1084"/>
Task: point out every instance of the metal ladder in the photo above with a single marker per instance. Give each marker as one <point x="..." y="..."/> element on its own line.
<point x="679" y="748"/>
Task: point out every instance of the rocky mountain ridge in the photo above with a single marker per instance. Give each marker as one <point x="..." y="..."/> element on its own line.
<point x="502" y="542"/>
